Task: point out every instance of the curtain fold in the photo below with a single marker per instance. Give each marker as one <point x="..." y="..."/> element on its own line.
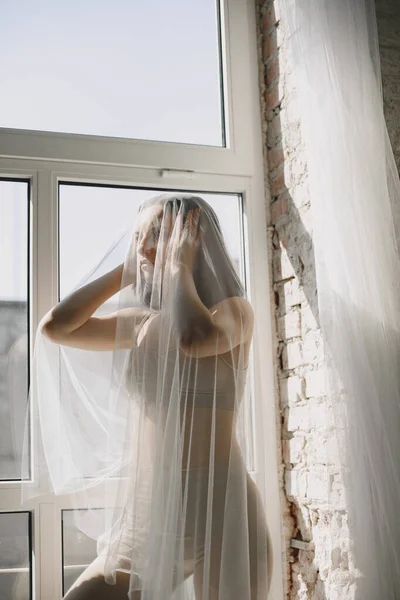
<point x="355" y="201"/>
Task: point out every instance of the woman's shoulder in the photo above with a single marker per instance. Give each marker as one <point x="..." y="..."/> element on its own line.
<point x="235" y="302"/>
<point x="236" y="306"/>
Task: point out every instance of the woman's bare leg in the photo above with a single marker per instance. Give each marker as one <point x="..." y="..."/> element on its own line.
<point x="260" y="563"/>
<point x="90" y="585"/>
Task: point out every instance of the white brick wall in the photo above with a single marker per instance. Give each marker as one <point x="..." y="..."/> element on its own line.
<point x="292" y="390"/>
<point x="289" y="326"/>
<point x="292" y="355"/>
<point x="315" y="383"/>
<point x="309" y="452"/>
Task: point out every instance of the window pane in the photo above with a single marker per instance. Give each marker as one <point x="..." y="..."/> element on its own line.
<point x="145" y="70"/>
<point x="15" y="564"/>
<point x="13" y="324"/>
<point x="104" y="213"/>
<point x="78" y="549"/>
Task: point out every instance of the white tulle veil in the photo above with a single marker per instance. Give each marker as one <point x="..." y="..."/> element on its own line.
<point x="355" y="201"/>
<point x="117" y="431"/>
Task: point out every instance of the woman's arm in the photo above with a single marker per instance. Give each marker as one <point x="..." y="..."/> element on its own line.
<point x="202" y="331"/>
<point x="206" y="332"/>
<point x="70" y="322"/>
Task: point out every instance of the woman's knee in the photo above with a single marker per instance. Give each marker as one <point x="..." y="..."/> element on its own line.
<point x="97" y="589"/>
<point x="91" y="585"/>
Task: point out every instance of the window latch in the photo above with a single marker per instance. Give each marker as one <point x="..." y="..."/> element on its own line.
<point x="174" y="173"/>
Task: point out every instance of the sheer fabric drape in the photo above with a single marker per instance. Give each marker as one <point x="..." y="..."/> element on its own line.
<point x="164" y="440"/>
<point x="355" y="199"/>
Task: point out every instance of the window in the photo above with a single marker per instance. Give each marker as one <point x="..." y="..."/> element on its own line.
<point x="15" y="555"/>
<point x="104" y="212"/>
<point x="14" y="342"/>
<point x="122" y="69"/>
<point x="78" y="550"/>
<point x="107" y="103"/>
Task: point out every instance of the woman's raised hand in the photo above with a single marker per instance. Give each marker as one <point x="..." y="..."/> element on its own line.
<point x="186" y="239"/>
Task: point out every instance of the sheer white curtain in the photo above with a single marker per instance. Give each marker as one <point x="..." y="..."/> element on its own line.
<point x="355" y="199"/>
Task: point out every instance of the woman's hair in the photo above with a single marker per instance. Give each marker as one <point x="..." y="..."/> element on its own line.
<point x="214" y="274"/>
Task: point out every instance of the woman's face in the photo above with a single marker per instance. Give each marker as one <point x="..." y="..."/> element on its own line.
<point x="147" y="235"/>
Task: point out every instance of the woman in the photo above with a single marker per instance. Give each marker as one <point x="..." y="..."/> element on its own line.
<point x="180" y="341"/>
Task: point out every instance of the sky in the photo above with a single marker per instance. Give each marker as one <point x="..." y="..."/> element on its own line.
<point x="127" y="68"/>
<point x="146" y="70"/>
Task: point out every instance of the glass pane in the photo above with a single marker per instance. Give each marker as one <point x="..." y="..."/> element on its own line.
<point x="144" y="70"/>
<point x="13" y="324"/>
<point x="15" y="564"/>
<point x="104" y="213"/>
<point x="78" y="549"/>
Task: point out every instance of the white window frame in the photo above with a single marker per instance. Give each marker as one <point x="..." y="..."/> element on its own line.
<point x="46" y="159"/>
